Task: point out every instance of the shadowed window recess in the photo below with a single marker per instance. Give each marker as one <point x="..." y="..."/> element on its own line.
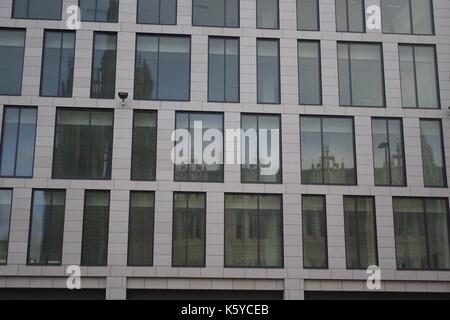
<point x="12" y="48"/>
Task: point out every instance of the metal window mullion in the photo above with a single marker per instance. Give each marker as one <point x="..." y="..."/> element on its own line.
<point x="159" y="11"/>
<point x="411" y="24"/>
<point x="224" y="13"/>
<point x="96" y="10"/>
<point x="348" y="15"/>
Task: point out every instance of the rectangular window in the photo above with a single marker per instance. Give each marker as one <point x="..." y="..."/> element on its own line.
<point x="261" y="148"/>
<point x="99" y="10"/>
<point x="433" y="157"/>
<point x="361" y="77"/>
<point x="12" y="44"/>
<point x="327" y="150"/>
<point x="45" y="242"/>
<point x="388" y="152"/>
<point x="162" y="64"/>
<point x="5" y="222"/>
<point x="37" y="9"/>
<point x="189" y="165"/>
<point x="253" y="231"/>
<point x="94" y="251"/>
<point x="267" y="12"/>
<point x="189" y="229"/>
<point x="407" y="16"/>
<point x="315" y="245"/>
<point x="309" y="73"/>
<point x="217" y="13"/>
<point x="268" y="72"/>
<point x="58" y="64"/>
<point x="350" y="16"/>
<point x="103" y="79"/>
<point x="360" y="232"/>
<point x="143" y="159"/>
<point x="141" y="228"/>
<point x="18" y="141"/>
<point x="421" y="233"/>
<point x="83" y="144"/>
<point x="223" y="69"/>
<point x="419" y="76"/>
<point x="308" y="15"/>
<point x="157" y="11"/>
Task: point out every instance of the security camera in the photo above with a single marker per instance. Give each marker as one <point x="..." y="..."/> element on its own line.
<point x="123" y="96"/>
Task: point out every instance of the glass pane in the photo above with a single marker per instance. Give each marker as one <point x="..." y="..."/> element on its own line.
<point x="216" y="69"/>
<point x="356" y="16"/>
<point x="427" y="89"/>
<point x="396" y="16"/>
<point x="407" y="76"/>
<point x="148" y="11"/>
<point x="380" y="152"/>
<point x="344" y="74"/>
<point x="434" y="172"/>
<point x="231" y="13"/>
<point x="437" y="231"/>
<point x="249" y="148"/>
<point x="308" y="14"/>
<point x="208" y="13"/>
<point x="44" y="9"/>
<point x="107" y="10"/>
<point x="314" y="232"/>
<point x="25" y="143"/>
<point x="422" y="17"/>
<point x="269" y="149"/>
<point x="146" y="69"/>
<point x="11" y="61"/>
<point x="67" y="65"/>
<point x="270" y="232"/>
<point x="268" y="71"/>
<point x="341" y="16"/>
<point x="168" y="11"/>
<point x="88" y="11"/>
<point x="397" y="159"/>
<point x="5" y="218"/>
<point x="103" y="80"/>
<point x="309" y="73"/>
<point x="232" y="70"/>
<point x="9" y="140"/>
<point x="311" y="150"/>
<point x="267" y="14"/>
<point x="144" y="146"/>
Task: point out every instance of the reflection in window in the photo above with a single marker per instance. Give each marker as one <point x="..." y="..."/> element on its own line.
<point x="189" y="225"/>
<point x="350" y="16"/>
<point x="327" y="150"/>
<point x="58" y="64"/>
<point x="99" y="10"/>
<point x="5" y="221"/>
<point x="103" y="79"/>
<point x="315" y="245"/>
<point x="253" y="231"/>
<point x="308" y="15"/>
<point x="268" y="61"/>
<point x="421" y="233"/>
<point x="47" y="227"/>
<point x="37" y="9"/>
<point x="433" y="159"/>
<point x="309" y="73"/>
<point x="143" y="160"/>
<point x="388" y="155"/>
<point x="157" y="11"/>
<point x="217" y="13"/>
<point x="12" y="43"/>
<point x="407" y="16"/>
<point x="18" y="141"/>
<point x="162" y="64"/>
<point x="267" y="14"/>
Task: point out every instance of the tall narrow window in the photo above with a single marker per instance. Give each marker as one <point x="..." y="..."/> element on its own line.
<point x="99" y="10"/>
<point x="217" y="13"/>
<point x="433" y="158"/>
<point x="18" y="141"/>
<point x="189" y="226"/>
<point x="421" y="233"/>
<point x="190" y="164"/>
<point x="261" y="150"/>
<point x="58" y="64"/>
<point x="419" y="77"/>
<point x="360" y="232"/>
<point x="253" y="231"/>
<point x="268" y="62"/>
<point x="267" y="12"/>
<point x="143" y="159"/>
<point x="37" y="9"/>
<point x="157" y="11"/>
<point x="45" y="243"/>
<point x="141" y="228"/>
<point x="407" y="16"/>
<point x="309" y="73"/>
<point x="5" y="222"/>
<point x="388" y="152"/>
<point x="12" y="44"/>
<point x="315" y="245"/>
<point x="223" y="69"/>
<point x="94" y="251"/>
<point x="162" y="64"/>
<point x="327" y="150"/>
<point x="103" y="79"/>
<point x="350" y="16"/>
<point x="361" y="79"/>
<point x="83" y="144"/>
<point x="308" y="15"/>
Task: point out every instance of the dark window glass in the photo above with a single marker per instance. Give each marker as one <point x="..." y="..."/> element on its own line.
<point x="268" y="61"/>
<point x="143" y="163"/>
<point x="407" y="16"/>
<point x="12" y="44"/>
<point x="309" y="73"/>
<point x="103" y="79"/>
<point x="195" y="169"/>
<point x="162" y="64"/>
<point x="189" y="224"/>
<point x="37" y="9"/>
<point x="99" y="10"/>
<point x="157" y="11"/>
<point x="315" y="245"/>
<point x="18" y="141"/>
<point x="421" y="233"/>
<point x="94" y="251"/>
<point x="58" y="64"/>
<point x="5" y="222"/>
<point x="261" y="150"/>
<point x="327" y="150"/>
<point x="433" y="159"/>
<point x="253" y="231"/>
<point x="83" y="144"/>
<point x="47" y="227"/>
<point x="388" y="154"/>
<point x="141" y="228"/>
<point x="350" y="16"/>
<point x="267" y="14"/>
<point x="217" y="13"/>
<point x="223" y="70"/>
<point x="308" y="15"/>
<point x="361" y="79"/>
<point x="360" y="232"/>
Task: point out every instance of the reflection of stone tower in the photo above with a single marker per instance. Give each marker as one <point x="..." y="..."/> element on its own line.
<point x="144" y="83"/>
<point x="432" y="171"/>
<point x="328" y="166"/>
<point x="112" y="10"/>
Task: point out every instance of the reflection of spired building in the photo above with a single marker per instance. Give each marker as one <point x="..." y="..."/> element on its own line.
<point x="328" y="166"/>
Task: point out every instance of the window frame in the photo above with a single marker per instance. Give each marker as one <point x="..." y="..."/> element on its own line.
<point x="277" y="40"/>
<point x="10" y="223"/>
<point x="24" y="30"/>
<point x="319" y="58"/>
<point x="28" y="12"/>
<point x="278" y="17"/>
<point x="298" y="18"/>
<point x="96" y="12"/>
<point x="224" y="13"/>
<point x="159" y="15"/>
<point x="363" y="13"/>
